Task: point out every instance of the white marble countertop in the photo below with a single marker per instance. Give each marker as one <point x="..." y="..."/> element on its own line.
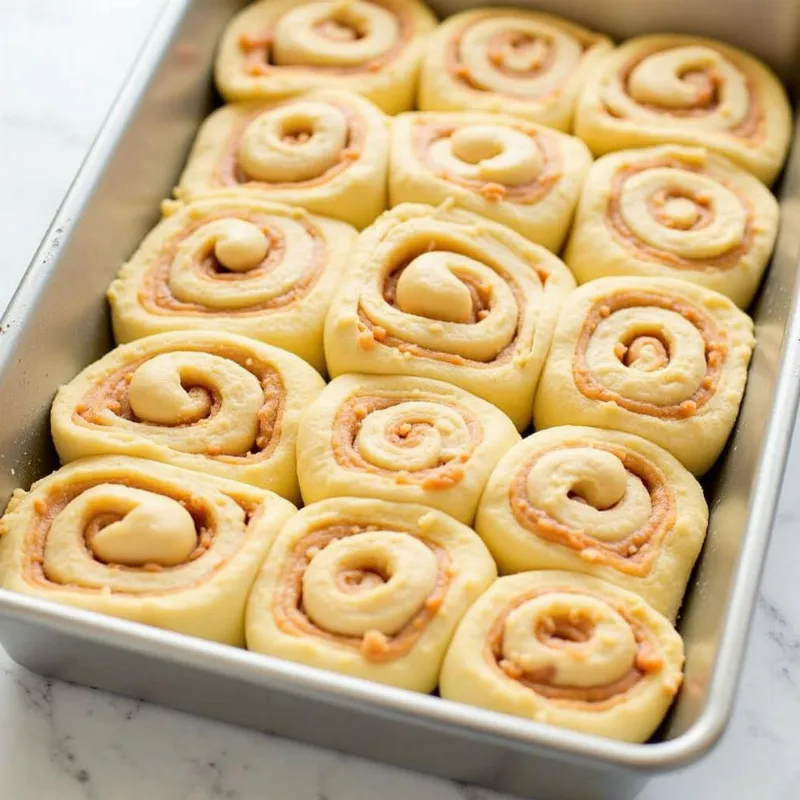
<point x="61" y="63"/>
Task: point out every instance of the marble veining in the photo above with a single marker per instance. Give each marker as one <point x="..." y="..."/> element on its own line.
<point x="62" y="63"/>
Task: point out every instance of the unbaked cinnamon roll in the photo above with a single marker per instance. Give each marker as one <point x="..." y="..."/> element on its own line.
<point x="368" y="588"/>
<point x="512" y="171"/>
<point x="327" y="152"/>
<point x="212" y="402"/>
<point x="442" y="293"/>
<point x="146" y="542"/>
<point x="657" y="357"/>
<point x="508" y="60"/>
<point x="401" y="438"/>
<point x="687" y="90"/>
<point x="676" y="212"/>
<point x="276" y="48"/>
<point x="601" y="502"/>
<point x="235" y="264"/>
<point x="567" y="650"/>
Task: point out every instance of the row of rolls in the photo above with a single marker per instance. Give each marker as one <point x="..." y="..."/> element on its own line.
<point x="447" y="328"/>
<point x="653" y="89"/>
<point x="426" y="292"/>
<point x="398" y="593"/>
<point x="669" y="210"/>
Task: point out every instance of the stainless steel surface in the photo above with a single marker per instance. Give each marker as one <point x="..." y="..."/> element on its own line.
<point x="57" y="323"/>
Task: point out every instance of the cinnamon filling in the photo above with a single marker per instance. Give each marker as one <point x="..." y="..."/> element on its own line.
<point x="111" y="394"/>
<point x="425" y="134"/>
<point x="347" y="425"/>
<point x="633" y="555"/>
<point x="258" y="59"/>
<point x="96" y="524"/>
<point x="647" y="353"/>
<point x="157" y="297"/>
<point x="595" y="698"/>
<point x="620" y="229"/>
<point x="715" y="348"/>
<point x="498" y="45"/>
<point x="374" y="646"/>
<point x="229" y="171"/>
<point x="521" y="44"/>
<point x="708" y="85"/>
<point x="357" y="580"/>
<point x="371" y="334"/>
<point x="46" y="510"/>
<point x="563" y="632"/>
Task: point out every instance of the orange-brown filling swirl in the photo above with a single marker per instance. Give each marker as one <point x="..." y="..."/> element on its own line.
<point x="708" y="84"/>
<point x="517" y="41"/>
<point x="112" y="395"/>
<point x="347" y="424"/>
<point x="426" y="133"/>
<point x="371" y="333"/>
<point x="230" y="172"/>
<point x="563" y="633"/>
<point x="374" y="646"/>
<point x="258" y="57"/>
<point x="632" y="555"/>
<point x="47" y="509"/>
<point x="707" y="329"/>
<point x="157" y="296"/>
<point x="704" y="216"/>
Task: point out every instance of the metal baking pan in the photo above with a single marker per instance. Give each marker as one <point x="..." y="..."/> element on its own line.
<point x="57" y="323"/>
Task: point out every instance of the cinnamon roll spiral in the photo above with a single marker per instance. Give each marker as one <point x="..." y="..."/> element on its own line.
<point x="368" y="588"/>
<point x="567" y="650"/>
<point x="442" y="293"/>
<point x="212" y="402"/>
<point x="676" y="212"/>
<point x="601" y="502"/>
<point x="657" y="357"/>
<point x="515" y="172"/>
<point x="240" y="265"/>
<point x="401" y="438"/>
<point x="147" y="542"/>
<point x="687" y="90"/>
<point x="509" y="60"/>
<point x="276" y="48"/>
<point x="326" y="151"/>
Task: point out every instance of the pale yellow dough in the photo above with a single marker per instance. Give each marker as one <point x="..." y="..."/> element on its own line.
<point x="560" y="635"/>
<point x="469" y="302"/>
<point x="401" y="438"/>
<point x="212" y="402"/>
<point x="674" y="211"/>
<point x="327" y="152"/>
<point x="657" y="357"/>
<point x="511" y="171"/>
<point x="601" y="502"/>
<point x="368" y="588"/>
<point x="277" y="48"/>
<point x="273" y="270"/>
<point x="687" y="90"/>
<point x="509" y="60"/>
<point x="178" y="550"/>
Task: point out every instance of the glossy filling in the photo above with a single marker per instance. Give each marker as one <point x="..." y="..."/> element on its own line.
<point x="112" y="395"/>
<point x="374" y="646"/>
<point x="636" y="552"/>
